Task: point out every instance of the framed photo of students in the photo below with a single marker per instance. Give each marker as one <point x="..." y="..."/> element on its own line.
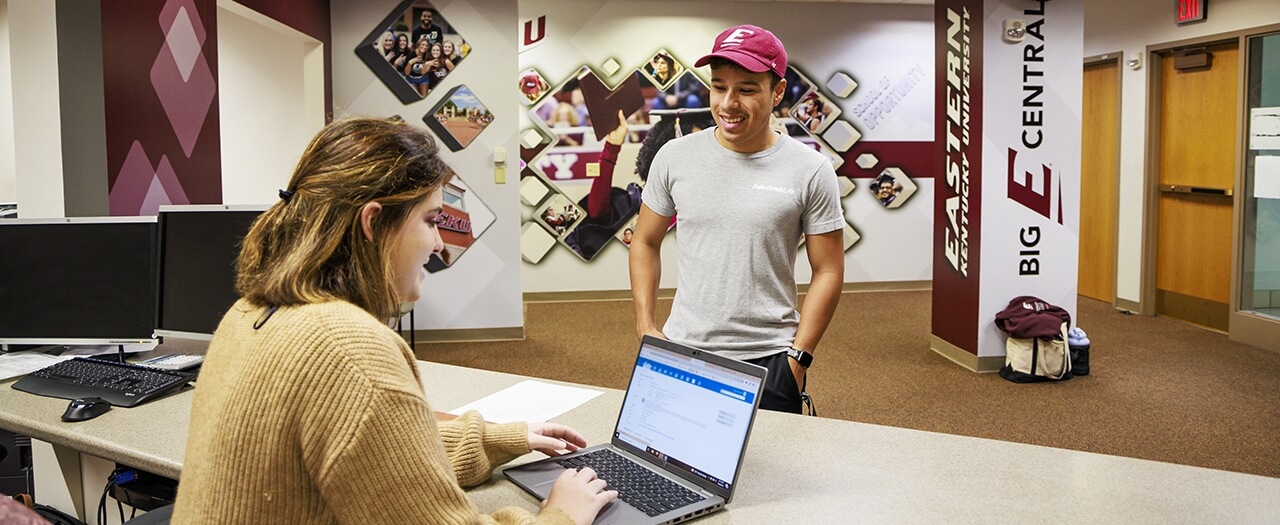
<point x="412" y="50"/>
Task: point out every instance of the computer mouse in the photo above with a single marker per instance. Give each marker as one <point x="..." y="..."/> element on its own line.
<point x="85" y="408"/>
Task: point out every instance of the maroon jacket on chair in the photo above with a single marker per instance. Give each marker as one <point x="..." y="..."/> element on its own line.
<point x="1028" y="316"/>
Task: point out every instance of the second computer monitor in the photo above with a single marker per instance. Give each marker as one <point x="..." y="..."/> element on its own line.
<point x="198" y="250"/>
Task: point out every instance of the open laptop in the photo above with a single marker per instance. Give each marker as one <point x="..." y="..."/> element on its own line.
<point x="685" y="420"/>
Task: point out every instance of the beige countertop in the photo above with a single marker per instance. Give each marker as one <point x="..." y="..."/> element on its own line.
<point x="823" y="470"/>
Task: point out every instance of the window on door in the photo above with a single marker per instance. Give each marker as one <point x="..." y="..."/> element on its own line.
<point x="1260" y="275"/>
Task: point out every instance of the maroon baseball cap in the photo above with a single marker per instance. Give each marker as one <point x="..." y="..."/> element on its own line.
<point x="752" y="47"/>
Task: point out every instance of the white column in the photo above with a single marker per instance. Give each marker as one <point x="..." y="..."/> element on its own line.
<point x="37" y="128"/>
<point x="1009" y="88"/>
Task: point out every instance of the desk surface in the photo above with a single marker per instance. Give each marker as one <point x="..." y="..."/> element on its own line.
<point x="828" y="471"/>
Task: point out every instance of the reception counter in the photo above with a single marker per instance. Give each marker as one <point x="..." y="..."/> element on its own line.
<point x="817" y="470"/>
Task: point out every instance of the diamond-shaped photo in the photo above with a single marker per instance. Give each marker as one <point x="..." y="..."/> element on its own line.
<point x="662" y="69"/>
<point x="626" y="233"/>
<point x="413" y="49"/>
<point x="463" y="219"/>
<point x="532" y="86"/>
<point x="559" y="215"/>
<point x="892" y="188"/>
<point x="458" y="118"/>
<point x="814" y="112"/>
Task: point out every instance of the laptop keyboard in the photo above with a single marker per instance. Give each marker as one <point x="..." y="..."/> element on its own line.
<point x="640" y="487"/>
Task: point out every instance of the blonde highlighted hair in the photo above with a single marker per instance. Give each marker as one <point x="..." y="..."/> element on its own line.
<point x="310" y="246"/>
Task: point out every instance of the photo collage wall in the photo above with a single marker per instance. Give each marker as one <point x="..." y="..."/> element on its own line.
<point x="413" y="51"/>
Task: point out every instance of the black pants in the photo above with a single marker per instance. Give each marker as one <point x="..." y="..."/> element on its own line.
<point x="781" y="393"/>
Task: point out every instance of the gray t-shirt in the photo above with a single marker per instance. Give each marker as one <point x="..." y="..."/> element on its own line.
<point x="740" y="219"/>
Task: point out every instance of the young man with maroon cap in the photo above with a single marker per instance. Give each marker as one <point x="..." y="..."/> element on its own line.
<point x="744" y="197"/>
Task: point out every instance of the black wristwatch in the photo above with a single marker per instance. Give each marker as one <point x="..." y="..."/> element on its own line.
<point x="804" y="358"/>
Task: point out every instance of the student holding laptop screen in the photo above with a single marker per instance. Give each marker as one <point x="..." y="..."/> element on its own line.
<point x="744" y="196"/>
<point x="310" y="408"/>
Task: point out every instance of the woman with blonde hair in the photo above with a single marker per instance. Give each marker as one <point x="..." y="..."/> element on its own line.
<point x="451" y="52"/>
<point x="309" y="408"/>
<point x="417" y="70"/>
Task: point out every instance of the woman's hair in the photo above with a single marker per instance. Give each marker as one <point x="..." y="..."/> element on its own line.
<point x="665" y="130"/>
<point x="671" y="65"/>
<point x="310" y="246"/>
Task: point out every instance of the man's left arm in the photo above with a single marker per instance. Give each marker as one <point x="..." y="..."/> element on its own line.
<point x="826" y="256"/>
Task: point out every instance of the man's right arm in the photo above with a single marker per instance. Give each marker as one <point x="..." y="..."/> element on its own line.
<point x="646" y="269"/>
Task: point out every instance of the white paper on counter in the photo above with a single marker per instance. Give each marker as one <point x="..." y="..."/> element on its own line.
<point x="528" y="400"/>
<point x="16" y="364"/>
<point x="1266" y="177"/>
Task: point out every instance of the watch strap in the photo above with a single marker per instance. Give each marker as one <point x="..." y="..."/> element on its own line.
<point x="804" y="358"/>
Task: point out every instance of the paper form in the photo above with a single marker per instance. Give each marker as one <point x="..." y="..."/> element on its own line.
<point x="16" y="364"/>
<point x="528" y="400"/>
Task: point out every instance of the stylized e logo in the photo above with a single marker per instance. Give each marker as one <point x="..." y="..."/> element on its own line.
<point x="1022" y="188"/>
<point x="735" y="38"/>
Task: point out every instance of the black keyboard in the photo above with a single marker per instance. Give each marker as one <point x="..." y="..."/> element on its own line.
<point x="121" y="384"/>
<point x="644" y="489"/>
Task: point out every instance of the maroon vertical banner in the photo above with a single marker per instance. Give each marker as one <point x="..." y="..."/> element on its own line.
<point x="161" y="104"/>
<point x="958" y="187"/>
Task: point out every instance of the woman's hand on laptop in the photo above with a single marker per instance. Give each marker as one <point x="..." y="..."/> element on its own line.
<point x="554" y="439"/>
<point x="580" y="494"/>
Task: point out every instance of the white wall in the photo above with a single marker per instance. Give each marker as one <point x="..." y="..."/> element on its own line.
<point x="37" y="149"/>
<point x="8" y="175"/>
<point x="482" y="289"/>
<point x="266" y="71"/>
<point x="1131" y="26"/>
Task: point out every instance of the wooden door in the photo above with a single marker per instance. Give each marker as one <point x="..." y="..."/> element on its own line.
<point x="1197" y="165"/>
<point x="1099" y="180"/>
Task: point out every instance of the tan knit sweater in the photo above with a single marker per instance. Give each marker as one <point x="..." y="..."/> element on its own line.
<point x="319" y="417"/>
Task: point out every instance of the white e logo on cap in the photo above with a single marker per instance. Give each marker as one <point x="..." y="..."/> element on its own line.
<point x="735" y="38"/>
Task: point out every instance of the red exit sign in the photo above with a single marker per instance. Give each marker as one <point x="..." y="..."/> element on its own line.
<point x="1191" y="10"/>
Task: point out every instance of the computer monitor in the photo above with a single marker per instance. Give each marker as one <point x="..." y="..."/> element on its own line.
<point x="78" y="281"/>
<point x="199" y="245"/>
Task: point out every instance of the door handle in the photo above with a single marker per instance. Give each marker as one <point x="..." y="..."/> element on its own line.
<point x="1198" y="190"/>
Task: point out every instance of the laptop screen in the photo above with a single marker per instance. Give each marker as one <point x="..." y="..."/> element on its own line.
<point x="689" y="413"/>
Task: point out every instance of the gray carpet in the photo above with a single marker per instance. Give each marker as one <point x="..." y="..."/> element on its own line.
<point x="1160" y="389"/>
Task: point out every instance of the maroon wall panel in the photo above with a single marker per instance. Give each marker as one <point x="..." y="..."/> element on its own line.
<point x="160" y="71"/>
